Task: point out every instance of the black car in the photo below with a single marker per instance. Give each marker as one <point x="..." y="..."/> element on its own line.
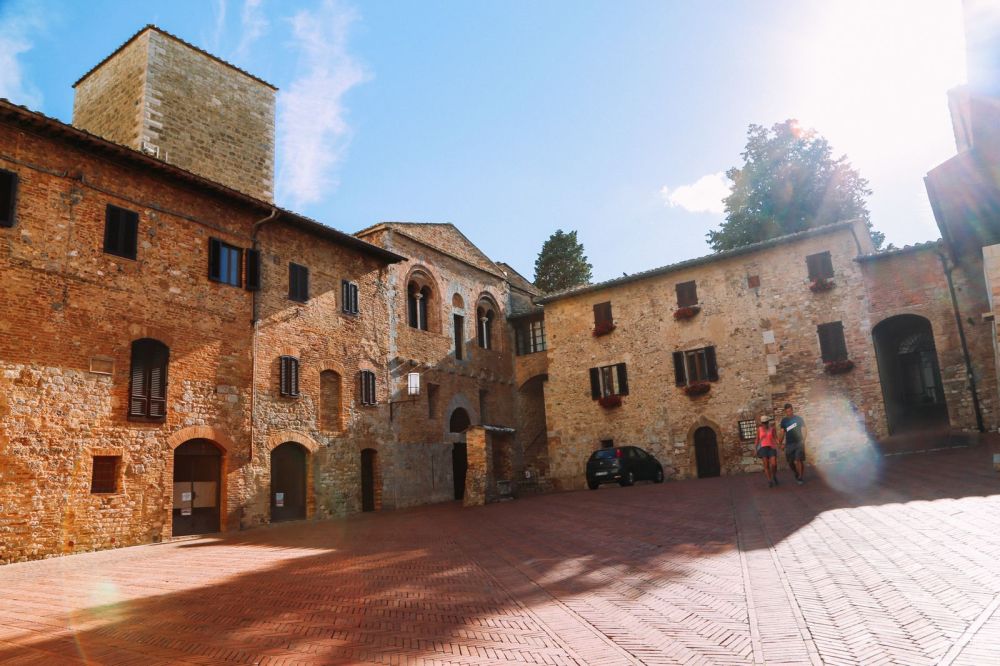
<point x="622" y="464"/>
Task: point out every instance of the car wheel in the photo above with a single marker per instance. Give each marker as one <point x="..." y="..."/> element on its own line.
<point x="628" y="480"/>
<point x="658" y="477"/>
<point x="592" y="485"/>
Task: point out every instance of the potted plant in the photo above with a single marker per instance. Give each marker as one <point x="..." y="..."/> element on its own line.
<point x="838" y="367"/>
<point x="686" y="312"/>
<point x="610" y="401"/>
<point x="603" y="328"/>
<point x="697" y="388"/>
<point x="821" y="284"/>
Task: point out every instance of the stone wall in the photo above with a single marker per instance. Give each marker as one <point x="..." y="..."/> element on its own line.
<point x="201" y="114"/>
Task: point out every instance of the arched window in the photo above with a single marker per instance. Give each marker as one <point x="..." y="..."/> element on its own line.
<point x="484" y="318"/>
<point x="330" y="401"/>
<point x="417" y="298"/>
<point x="148" y="385"/>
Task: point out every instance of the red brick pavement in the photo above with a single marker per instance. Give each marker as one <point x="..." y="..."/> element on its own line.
<point x="902" y="569"/>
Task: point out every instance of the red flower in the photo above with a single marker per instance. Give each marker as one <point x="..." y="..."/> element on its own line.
<point x="697" y="388"/>
<point x="603" y="328"/>
<point x="821" y="284"/>
<point x="687" y="311"/>
<point x="610" y="401"/>
<point x="838" y="367"/>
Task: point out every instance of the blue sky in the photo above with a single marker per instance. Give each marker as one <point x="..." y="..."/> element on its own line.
<point x="512" y="119"/>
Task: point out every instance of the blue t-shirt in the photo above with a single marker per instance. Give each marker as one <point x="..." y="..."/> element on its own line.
<point x="793" y="425"/>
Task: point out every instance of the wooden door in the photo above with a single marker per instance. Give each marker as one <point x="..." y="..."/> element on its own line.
<point x="197" y="482"/>
<point x="288" y="482"/>
<point x="368" y="461"/>
<point x="706" y="451"/>
<point x="459" y="466"/>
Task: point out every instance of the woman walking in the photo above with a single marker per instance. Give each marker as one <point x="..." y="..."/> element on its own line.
<point x="767" y="449"/>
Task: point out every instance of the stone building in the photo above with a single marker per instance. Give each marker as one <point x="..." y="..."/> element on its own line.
<point x="683" y="359"/>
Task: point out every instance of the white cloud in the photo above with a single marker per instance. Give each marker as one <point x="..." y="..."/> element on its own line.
<point x="254" y="24"/>
<point x="17" y="29"/>
<point x="312" y="126"/>
<point x="705" y="195"/>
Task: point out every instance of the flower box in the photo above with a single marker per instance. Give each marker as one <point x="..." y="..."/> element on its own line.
<point x="821" y="284"/>
<point x="838" y="367"/>
<point x="610" y="401"/>
<point x="697" y="388"/>
<point x="686" y="312"/>
<point x="603" y="328"/>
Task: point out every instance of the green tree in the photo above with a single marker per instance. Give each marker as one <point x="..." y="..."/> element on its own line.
<point x="561" y="264"/>
<point x="789" y="182"/>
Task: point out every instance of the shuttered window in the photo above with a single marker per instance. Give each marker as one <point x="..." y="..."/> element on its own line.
<point x="104" y="476"/>
<point x="832" y="345"/>
<point x="608" y="380"/>
<point x="8" y="198"/>
<point x="288" y="376"/>
<point x="253" y="270"/>
<point x="349" y="297"/>
<point x="224" y="262"/>
<point x="121" y="229"/>
<point x="820" y="266"/>
<point x="148" y="383"/>
<point x="602" y="314"/>
<point x="298" y="283"/>
<point x="368" y="388"/>
<point x="695" y="365"/>
<point x="687" y="294"/>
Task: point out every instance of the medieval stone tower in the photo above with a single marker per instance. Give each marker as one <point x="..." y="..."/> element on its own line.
<point x="160" y="95"/>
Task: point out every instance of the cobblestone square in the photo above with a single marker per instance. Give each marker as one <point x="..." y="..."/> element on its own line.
<point x="891" y="561"/>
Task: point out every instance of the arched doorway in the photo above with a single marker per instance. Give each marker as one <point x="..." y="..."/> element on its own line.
<point x="459" y="423"/>
<point x="910" y="375"/>
<point x="288" y="482"/>
<point x="706" y="452"/>
<point x="369" y="465"/>
<point x="197" y="482"/>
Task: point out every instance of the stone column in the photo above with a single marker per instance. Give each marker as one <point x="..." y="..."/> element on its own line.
<point x="477" y="474"/>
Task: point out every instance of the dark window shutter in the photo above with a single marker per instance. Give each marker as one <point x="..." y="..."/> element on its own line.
<point x="355" y="304"/>
<point x="253" y="270"/>
<point x="130" y="233"/>
<point x="111" y="229"/>
<point x="345" y="296"/>
<point x="602" y="313"/>
<point x="595" y="383"/>
<point x="680" y="376"/>
<point x="826" y="265"/>
<point x="687" y="294"/>
<point x="214" y="259"/>
<point x="832" y="345"/>
<point x="622" y="380"/>
<point x="288" y="378"/>
<point x="294" y="377"/>
<point x="8" y="198"/>
<point x="138" y="404"/>
<point x="713" y="368"/>
<point x="148" y="380"/>
<point x="819" y="265"/>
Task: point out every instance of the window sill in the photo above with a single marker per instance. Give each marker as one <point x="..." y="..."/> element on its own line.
<point x="120" y="256"/>
<point x="697" y="388"/>
<point x="228" y="284"/>
<point x="147" y="419"/>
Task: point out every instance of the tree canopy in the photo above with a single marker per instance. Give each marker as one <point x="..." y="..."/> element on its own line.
<point x="789" y="182"/>
<point x="561" y="264"/>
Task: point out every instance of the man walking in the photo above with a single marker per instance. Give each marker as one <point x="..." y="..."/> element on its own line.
<point x="792" y="436"/>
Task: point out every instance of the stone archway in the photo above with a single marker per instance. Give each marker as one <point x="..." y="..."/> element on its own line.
<point x="706" y="452"/>
<point x="198" y="471"/>
<point x="458" y="423"/>
<point x="910" y="374"/>
<point x="289" y="481"/>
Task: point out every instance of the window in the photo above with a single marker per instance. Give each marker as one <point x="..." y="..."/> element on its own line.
<point x="607" y="443"/>
<point x="748" y="430"/>
<point x="224" y="262"/>
<point x="459" y="336"/>
<point x="831" y="341"/>
<point x="348" y="297"/>
<point x="602" y="314"/>
<point x="104" y="478"/>
<point x="8" y="198"/>
<point x="484" y="330"/>
<point x="820" y="266"/>
<point x="298" y="283"/>
<point x="121" y="229"/>
<point x="608" y="380"/>
<point x="253" y="270"/>
<point x="148" y="381"/>
<point x="432" y="400"/>
<point x="753" y="281"/>
<point x="687" y="294"/>
<point x="330" y="401"/>
<point x="368" y="388"/>
<point x="288" y="376"/>
<point x="530" y="337"/>
<point x="483" y="404"/>
<point x="417" y="298"/>
<point x="695" y="365"/>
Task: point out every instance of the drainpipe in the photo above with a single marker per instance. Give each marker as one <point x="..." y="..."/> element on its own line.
<point x="255" y="324"/>
<point x="961" y="336"/>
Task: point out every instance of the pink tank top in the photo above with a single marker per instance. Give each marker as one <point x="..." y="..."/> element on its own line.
<point x="766" y="436"/>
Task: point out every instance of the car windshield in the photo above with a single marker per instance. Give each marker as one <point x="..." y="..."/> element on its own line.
<point x="603" y="454"/>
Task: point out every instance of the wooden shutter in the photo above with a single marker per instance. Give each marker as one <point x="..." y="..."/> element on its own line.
<point x="138" y="403"/>
<point x="819" y="265"/>
<point x="713" y="368"/>
<point x="367" y="387"/>
<point x="158" y="384"/>
<point x="148" y="380"/>
<point x="680" y="375"/>
<point x="8" y="197"/>
<point x="687" y="294"/>
<point x="112" y="229"/>
<point x="832" y="345"/>
<point x="595" y="383"/>
<point x="288" y="376"/>
<point x="253" y="270"/>
<point x="214" y="259"/>
<point x="622" y="379"/>
<point x="602" y="313"/>
<point x="355" y="305"/>
<point x="345" y="296"/>
<point x="130" y="232"/>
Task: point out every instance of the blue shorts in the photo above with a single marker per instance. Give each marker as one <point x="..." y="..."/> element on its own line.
<point x="767" y="452"/>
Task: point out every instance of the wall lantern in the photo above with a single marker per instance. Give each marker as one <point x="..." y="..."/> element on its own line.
<point x="413" y="383"/>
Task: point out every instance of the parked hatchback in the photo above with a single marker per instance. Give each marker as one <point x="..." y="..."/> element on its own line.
<point x="623" y="465"/>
